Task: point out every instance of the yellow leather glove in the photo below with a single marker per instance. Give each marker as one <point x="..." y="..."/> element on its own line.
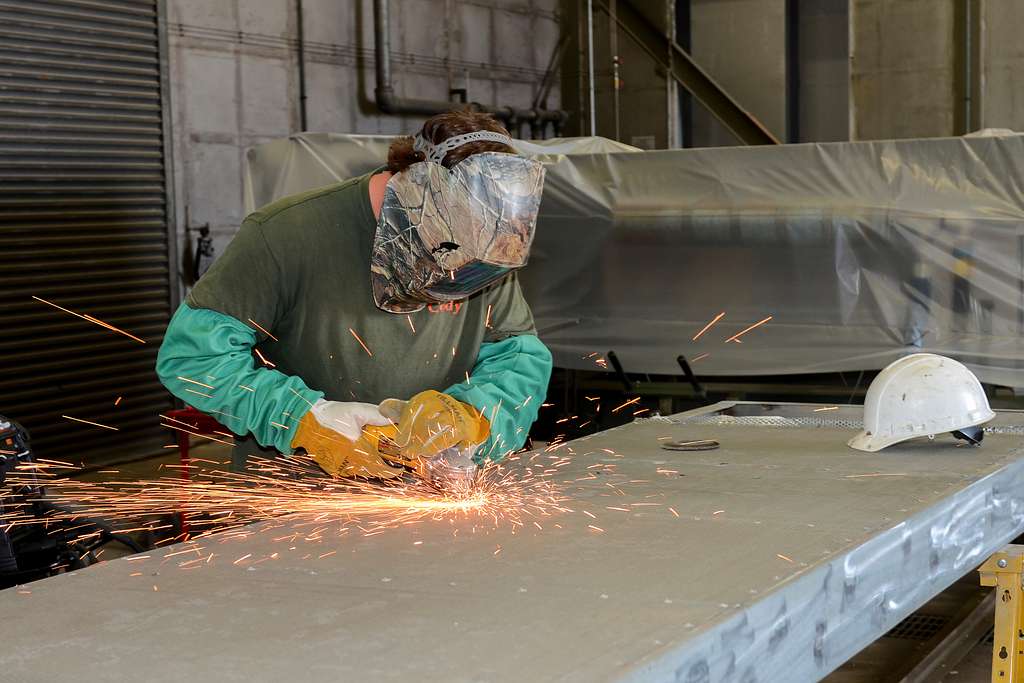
<point x="431" y="422"/>
<point x="326" y="431"/>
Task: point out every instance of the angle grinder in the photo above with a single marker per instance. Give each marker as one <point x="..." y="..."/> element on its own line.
<point x="451" y="470"/>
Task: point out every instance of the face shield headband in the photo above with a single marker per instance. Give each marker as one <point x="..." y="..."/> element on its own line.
<point x="445" y="234"/>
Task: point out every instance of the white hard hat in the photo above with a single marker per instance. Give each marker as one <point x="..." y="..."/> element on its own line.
<point x="920" y="395"/>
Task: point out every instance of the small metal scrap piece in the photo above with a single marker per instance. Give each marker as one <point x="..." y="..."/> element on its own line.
<point x="699" y="445"/>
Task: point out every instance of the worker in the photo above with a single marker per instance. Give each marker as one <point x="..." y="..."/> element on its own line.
<point x="398" y="284"/>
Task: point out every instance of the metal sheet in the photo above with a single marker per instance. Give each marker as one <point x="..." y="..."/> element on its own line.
<point x="790" y="553"/>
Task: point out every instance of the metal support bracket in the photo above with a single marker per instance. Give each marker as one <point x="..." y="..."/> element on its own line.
<point x="678" y="62"/>
<point x="1005" y="571"/>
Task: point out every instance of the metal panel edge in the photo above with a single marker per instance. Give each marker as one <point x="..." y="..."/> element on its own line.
<point x="814" y="623"/>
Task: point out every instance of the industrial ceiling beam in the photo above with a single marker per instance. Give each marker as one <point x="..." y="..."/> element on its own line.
<point x="689" y="74"/>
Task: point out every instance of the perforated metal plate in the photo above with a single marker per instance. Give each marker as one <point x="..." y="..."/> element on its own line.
<point x="918" y="626"/>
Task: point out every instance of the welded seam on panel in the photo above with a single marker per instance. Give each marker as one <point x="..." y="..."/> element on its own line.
<point x="793" y="422"/>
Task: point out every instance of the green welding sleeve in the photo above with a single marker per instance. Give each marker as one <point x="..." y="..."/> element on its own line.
<point x="508" y="384"/>
<point x="206" y="360"/>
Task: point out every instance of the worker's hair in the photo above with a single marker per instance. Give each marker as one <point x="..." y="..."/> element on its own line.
<point x="439" y="128"/>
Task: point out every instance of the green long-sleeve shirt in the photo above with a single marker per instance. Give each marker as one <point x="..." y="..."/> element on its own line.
<point x="294" y="285"/>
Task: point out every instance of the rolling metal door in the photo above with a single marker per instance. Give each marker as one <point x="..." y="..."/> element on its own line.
<point x="83" y="224"/>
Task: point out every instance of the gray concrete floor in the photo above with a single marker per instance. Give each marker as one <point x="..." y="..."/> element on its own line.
<point x="976" y="668"/>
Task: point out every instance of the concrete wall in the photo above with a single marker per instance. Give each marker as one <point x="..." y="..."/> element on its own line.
<point x="1003" y="65"/>
<point x="902" y="69"/>
<point x="904" y="60"/>
<point x="235" y="78"/>
<point x="742" y="45"/>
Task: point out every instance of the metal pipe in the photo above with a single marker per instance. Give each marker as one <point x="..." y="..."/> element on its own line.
<point x="968" y="36"/>
<point x="793" y="71"/>
<point x="387" y="102"/>
<point x="301" y="39"/>
<point x="968" y="65"/>
<point x="590" y="64"/>
<point x="613" y="36"/>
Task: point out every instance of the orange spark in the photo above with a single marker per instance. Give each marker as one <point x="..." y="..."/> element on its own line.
<point x="257" y="325"/>
<point x="709" y="326"/>
<point x="700" y="357"/>
<point x="188" y="431"/>
<point x="365" y="348"/>
<point x="876" y="474"/>
<point x="783" y="557"/>
<point x="821" y="410"/>
<point x="301" y="396"/>
<point x="91" y="319"/>
<point x="409" y="318"/>
<point x="94" y="424"/>
<point x="218" y="500"/>
<point x="118" y="401"/>
<point x="736" y="337"/>
<point x="627" y="403"/>
<point x="262" y="358"/>
<point x="673" y="511"/>
<point x="192" y="381"/>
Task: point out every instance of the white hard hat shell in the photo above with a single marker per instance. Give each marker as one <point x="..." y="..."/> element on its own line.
<point x="920" y="395"/>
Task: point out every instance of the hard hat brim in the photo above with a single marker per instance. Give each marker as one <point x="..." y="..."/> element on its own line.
<point x="871" y="443"/>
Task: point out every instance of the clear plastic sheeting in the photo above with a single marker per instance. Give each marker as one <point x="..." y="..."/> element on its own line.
<point x="860" y="252"/>
<point x="302" y="162"/>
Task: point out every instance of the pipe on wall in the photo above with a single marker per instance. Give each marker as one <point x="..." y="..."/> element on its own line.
<point x="301" y="57"/>
<point x="389" y="103"/>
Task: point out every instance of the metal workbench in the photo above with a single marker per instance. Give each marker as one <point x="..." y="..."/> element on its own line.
<point x="790" y="553"/>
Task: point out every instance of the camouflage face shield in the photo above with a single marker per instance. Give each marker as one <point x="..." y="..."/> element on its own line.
<point x="444" y="235"/>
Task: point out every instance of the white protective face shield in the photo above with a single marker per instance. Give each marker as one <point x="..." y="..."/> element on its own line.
<point x="922" y="395"/>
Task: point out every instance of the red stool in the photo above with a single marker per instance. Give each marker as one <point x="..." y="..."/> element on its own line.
<point x="199" y="423"/>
